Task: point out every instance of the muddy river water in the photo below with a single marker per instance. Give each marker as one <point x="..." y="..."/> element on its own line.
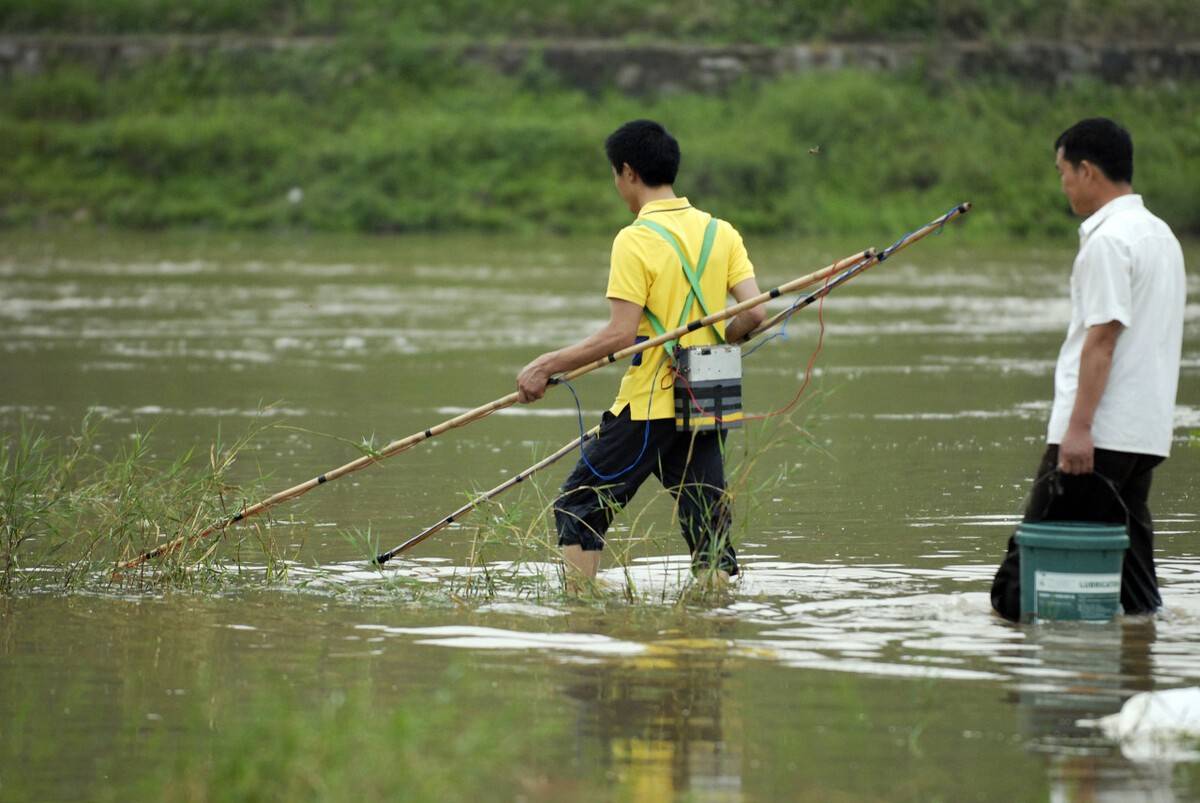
<point x="857" y="659"/>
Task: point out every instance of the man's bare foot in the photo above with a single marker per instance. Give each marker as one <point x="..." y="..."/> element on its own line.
<point x="708" y="581"/>
<point x="579" y="569"/>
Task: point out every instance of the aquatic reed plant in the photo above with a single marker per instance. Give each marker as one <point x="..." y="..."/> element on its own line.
<point x="70" y="509"/>
<point x="512" y="549"/>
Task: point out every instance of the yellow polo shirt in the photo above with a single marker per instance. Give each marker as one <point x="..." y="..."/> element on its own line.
<point x="645" y="270"/>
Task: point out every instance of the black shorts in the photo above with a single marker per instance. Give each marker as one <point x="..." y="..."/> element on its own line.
<point x="689" y="464"/>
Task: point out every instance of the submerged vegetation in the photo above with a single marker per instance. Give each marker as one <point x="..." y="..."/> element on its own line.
<point x="348" y="746"/>
<point x="262" y="739"/>
<point x="386" y="136"/>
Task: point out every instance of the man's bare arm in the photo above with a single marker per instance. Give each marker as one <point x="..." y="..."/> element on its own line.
<point x="1077" y="450"/>
<point x="745" y="322"/>
<point x="619" y="332"/>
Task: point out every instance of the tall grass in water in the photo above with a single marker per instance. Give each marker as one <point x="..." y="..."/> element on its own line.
<point x="512" y="548"/>
<point x="69" y="513"/>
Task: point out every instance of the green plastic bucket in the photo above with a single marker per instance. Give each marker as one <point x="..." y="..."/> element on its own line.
<point x="1071" y="569"/>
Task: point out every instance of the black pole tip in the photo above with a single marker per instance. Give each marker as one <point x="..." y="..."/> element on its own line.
<point x="381" y="559"/>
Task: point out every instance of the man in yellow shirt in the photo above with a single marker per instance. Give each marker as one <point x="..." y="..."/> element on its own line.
<point x="649" y="288"/>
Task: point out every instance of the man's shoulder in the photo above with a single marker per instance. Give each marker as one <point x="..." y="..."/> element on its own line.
<point x="639" y="235"/>
<point x="725" y="228"/>
<point x="628" y="236"/>
<point x="1130" y="226"/>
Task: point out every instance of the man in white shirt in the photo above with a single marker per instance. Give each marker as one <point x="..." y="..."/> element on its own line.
<point x="1118" y="370"/>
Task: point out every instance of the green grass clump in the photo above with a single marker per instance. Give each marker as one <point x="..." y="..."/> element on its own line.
<point x="70" y="513"/>
<point x="73" y="510"/>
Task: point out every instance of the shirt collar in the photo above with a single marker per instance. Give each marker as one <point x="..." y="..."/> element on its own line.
<point x="664" y="205"/>
<point x="1102" y="214"/>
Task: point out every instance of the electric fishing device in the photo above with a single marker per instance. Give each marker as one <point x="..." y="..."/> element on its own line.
<point x="708" y="388"/>
<point x="831" y="282"/>
<point x="402" y="445"/>
<point x="847" y="267"/>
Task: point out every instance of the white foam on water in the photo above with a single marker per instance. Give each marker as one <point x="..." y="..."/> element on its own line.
<point x="125" y="413"/>
<point x="525" y="411"/>
<point x="1015" y="412"/>
<point x="522" y="609"/>
<point x="885" y="669"/>
<point x="491" y="638"/>
<point x="883" y="618"/>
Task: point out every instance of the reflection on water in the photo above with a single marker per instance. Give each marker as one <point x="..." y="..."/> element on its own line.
<point x="1096" y="670"/>
<point x="657" y="724"/>
<point x="856" y="659"/>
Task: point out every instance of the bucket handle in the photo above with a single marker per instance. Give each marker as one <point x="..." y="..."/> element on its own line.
<point x="1056" y="489"/>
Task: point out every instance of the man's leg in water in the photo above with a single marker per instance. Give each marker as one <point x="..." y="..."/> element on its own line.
<point x="693" y="470"/>
<point x="586" y="506"/>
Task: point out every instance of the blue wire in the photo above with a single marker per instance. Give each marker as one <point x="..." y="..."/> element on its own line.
<point x="782" y="333"/>
<point x="645" y="438"/>
<point x="941" y="225"/>
<point x="782" y="329"/>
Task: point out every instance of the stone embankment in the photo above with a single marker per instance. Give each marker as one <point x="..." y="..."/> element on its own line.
<point x="639" y="68"/>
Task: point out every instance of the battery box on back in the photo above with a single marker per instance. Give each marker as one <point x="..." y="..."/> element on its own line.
<point x="708" y="388"/>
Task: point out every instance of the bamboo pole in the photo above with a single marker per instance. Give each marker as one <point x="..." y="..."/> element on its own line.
<point x="905" y="241"/>
<point x="404" y="444"/>
<point x="867" y="257"/>
<point x="856" y="269"/>
<point x="446" y="521"/>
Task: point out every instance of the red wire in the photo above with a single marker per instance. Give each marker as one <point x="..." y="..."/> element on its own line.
<point x="807" y="370"/>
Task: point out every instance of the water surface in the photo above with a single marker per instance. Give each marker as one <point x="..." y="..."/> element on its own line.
<point x="857" y="658"/>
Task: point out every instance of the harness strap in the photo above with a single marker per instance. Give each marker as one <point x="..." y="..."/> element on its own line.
<point x="693" y="275"/>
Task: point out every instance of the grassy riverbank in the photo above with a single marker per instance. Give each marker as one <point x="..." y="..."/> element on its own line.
<point x="735" y="21"/>
<point x="389" y="139"/>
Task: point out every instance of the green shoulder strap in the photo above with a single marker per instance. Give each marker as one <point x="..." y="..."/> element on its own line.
<point x="695" y="294"/>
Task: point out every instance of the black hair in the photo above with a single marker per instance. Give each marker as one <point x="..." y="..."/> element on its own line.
<point x="648" y="148"/>
<point x="1103" y="143"/>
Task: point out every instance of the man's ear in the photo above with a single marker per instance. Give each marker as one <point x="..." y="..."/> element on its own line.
<point x="629" y="173"/>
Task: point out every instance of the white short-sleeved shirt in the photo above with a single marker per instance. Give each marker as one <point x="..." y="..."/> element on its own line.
<point x="1129" y="269"/>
